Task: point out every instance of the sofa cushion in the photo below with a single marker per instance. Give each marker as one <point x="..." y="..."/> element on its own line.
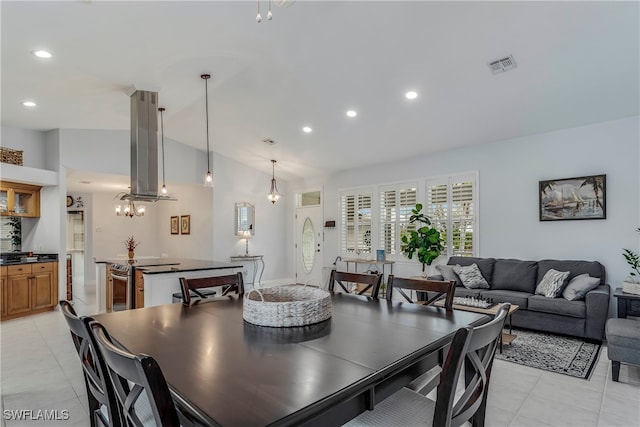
<point x="559" y="306"/>
<point x="623" y="333"/>
<point x="514" y="275"/>
<point x="471" y="277"/>
<point x="575" y="268"/>
<point x="552" y="283"/>
<point x="503" y="295"/>
<point x="447" y="273"/>
<point x="484" y="264"/>
<point x="579" y="286"/>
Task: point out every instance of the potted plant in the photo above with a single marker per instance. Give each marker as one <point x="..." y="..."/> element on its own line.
<point x="632" y="283"/>
<point x="424" y="240"/>
<point x="15" y="234"/>
<point x="131" y="244"/>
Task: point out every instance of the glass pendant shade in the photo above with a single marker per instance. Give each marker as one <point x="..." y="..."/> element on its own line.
<point x="130" y="209"/>
<point x="273" y="195"/>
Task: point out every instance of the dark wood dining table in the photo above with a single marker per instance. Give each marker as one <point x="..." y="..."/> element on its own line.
<point x="238" y="374"/>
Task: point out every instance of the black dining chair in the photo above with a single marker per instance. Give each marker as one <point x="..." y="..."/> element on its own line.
<point x="103" y="409"/>
<point x="423" y="287"/>
<point x="371" y="282"/>
<point x="469" y="360"/>
<point x="140" y="387"/>
<point x="193" y="287"/>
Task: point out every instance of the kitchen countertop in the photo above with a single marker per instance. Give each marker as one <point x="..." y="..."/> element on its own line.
<point x="17" y="258"/>
<point x="172" y="265"/>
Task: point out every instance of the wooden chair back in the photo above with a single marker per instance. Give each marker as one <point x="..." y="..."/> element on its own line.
<point x="437" y="288"/>
<point x="100" y="392"/>
<point x="229" y="283"/>
<point x="472" y="349"/>
<point x="134" y="376"/>
<point x="371" y="281"/>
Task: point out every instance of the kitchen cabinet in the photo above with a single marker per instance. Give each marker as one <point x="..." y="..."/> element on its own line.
<point x="30" y="289"/>
<point x="139" y="289"/>
<point x="21" y="200"/>
<point x="3" y="281"/>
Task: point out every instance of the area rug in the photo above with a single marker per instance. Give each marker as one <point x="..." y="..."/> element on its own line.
<point x="555" y="353"/>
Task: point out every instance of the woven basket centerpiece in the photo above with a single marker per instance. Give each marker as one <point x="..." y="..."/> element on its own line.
<point x="286" y="306"/>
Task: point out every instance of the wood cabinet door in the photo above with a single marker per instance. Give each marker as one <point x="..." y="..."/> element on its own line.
<point x="3" y="289"/>
<point x="22" y="200"/>
<point x="139" y="289"/>
<point x="18" y="293"/>
<point x="42" y="290"/>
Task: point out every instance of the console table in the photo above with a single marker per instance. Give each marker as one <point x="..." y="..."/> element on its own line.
<point x="369" y="262"/>
<point x="258" y="265"/>
<point x="628" y="304"/>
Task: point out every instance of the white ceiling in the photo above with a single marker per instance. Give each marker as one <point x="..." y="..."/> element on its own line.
<point x="577" y="63"/>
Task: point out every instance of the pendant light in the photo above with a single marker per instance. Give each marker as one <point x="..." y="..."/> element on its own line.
<point x="208" y="181"/>
<point x="273" y="195"/>
<point x="162" y="109"/>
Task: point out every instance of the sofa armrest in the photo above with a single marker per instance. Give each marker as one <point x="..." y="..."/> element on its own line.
<point x="597" y="302"/>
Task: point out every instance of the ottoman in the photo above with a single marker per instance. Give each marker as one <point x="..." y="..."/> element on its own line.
<point x="623" y="342"/>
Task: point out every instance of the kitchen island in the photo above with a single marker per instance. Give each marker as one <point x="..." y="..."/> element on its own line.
<point x="149" y="281"/>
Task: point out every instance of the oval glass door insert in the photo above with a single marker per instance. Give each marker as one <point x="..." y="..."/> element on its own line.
<point x="308" y="245"/>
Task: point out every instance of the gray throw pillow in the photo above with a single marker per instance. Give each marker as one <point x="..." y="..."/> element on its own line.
<point x="448" y="274"/>
<point x="471" y="277"/>
<point x="551" y="284"/>
<point x="579" y="286"/>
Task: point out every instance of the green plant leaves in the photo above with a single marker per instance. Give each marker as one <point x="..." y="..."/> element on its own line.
<point x="425" y="242"/>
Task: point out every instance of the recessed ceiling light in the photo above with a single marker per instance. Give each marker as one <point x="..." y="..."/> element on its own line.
<point x="42" y="54"/>
<point x="29" y="104"/>
<point x="306" y="129"/>
<point x="351" y="113"/>
<point x="411" y="95"/>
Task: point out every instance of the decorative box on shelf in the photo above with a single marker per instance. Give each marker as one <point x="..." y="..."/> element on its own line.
<point x="631" y="287"/>
<point x="13" y="157"/>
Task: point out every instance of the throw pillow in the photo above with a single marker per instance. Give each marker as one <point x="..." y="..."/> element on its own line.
<point x="579" y="286"/>
<point x="551" y="284"/>
<point x="448" y="274"/>
<point x="471" y="277"/>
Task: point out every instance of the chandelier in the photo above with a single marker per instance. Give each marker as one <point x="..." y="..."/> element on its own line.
<point x="130" y="209"/>
<point x="279" y="3"/>
<point x="273" y="195"/>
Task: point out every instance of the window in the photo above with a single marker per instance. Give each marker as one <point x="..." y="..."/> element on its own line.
<point x="356" y="222"/>
<point x="396" y="203"/>
<point x="451" y="206"/>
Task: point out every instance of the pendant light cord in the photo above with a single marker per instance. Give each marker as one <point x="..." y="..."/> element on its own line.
<point x="206" y="97"/>
<point x="162" y="139"/>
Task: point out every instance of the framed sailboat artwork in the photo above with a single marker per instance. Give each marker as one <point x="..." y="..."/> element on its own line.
<point x="576" y="198"/>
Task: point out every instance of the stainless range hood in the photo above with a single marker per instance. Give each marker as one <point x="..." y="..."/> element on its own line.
<point x="144" y="148"/>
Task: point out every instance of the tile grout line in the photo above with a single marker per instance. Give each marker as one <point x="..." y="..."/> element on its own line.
<point x="524" y="402"/>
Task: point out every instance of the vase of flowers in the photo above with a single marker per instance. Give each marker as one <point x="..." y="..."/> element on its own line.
<point x="131" y="244"/>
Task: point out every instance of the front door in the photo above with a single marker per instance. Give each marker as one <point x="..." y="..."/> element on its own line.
<point x="308" y="250"/>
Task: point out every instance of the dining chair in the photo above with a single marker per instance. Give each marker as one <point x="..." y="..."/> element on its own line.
<point x="228" y="283"/>
<point x="141" y="391"/>
<point x="103" y="409"/>
<point x="468" y="365"/>
<point x="437" y="287"/>
<point x="371" y="281"/>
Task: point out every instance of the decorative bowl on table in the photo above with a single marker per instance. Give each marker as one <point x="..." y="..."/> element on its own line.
<point x="286" y="306"/>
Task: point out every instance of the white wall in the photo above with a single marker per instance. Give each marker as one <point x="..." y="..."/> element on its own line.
<point x="29" y="141"/>
<point x="509" y="172"/>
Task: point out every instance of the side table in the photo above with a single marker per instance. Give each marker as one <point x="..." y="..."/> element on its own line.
<point x="628" y="304"/>
<point x="258" y="266"/>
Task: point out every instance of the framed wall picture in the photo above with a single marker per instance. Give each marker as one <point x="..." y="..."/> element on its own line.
<point x="185" y="224"/>
<point x="573" y="198"/>
<point x="175" y="225"/>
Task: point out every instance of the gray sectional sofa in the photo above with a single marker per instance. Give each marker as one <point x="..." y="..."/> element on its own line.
<point x="515" y="281"/>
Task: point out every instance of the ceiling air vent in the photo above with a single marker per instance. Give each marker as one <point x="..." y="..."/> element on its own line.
<point x="269" y="141"/>
<point x="502" y="65"/>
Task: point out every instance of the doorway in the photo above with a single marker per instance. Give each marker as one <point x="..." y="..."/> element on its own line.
<point x="308" y="245"/>
<point x="75" y="245"/>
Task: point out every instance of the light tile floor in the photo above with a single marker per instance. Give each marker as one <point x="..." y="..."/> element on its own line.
<point x="39" y="369"/>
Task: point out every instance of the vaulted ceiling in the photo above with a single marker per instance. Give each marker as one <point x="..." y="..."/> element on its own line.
<point x="577" y="63"/>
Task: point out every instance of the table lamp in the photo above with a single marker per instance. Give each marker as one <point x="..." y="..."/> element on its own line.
<point x="246" y="235"/>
